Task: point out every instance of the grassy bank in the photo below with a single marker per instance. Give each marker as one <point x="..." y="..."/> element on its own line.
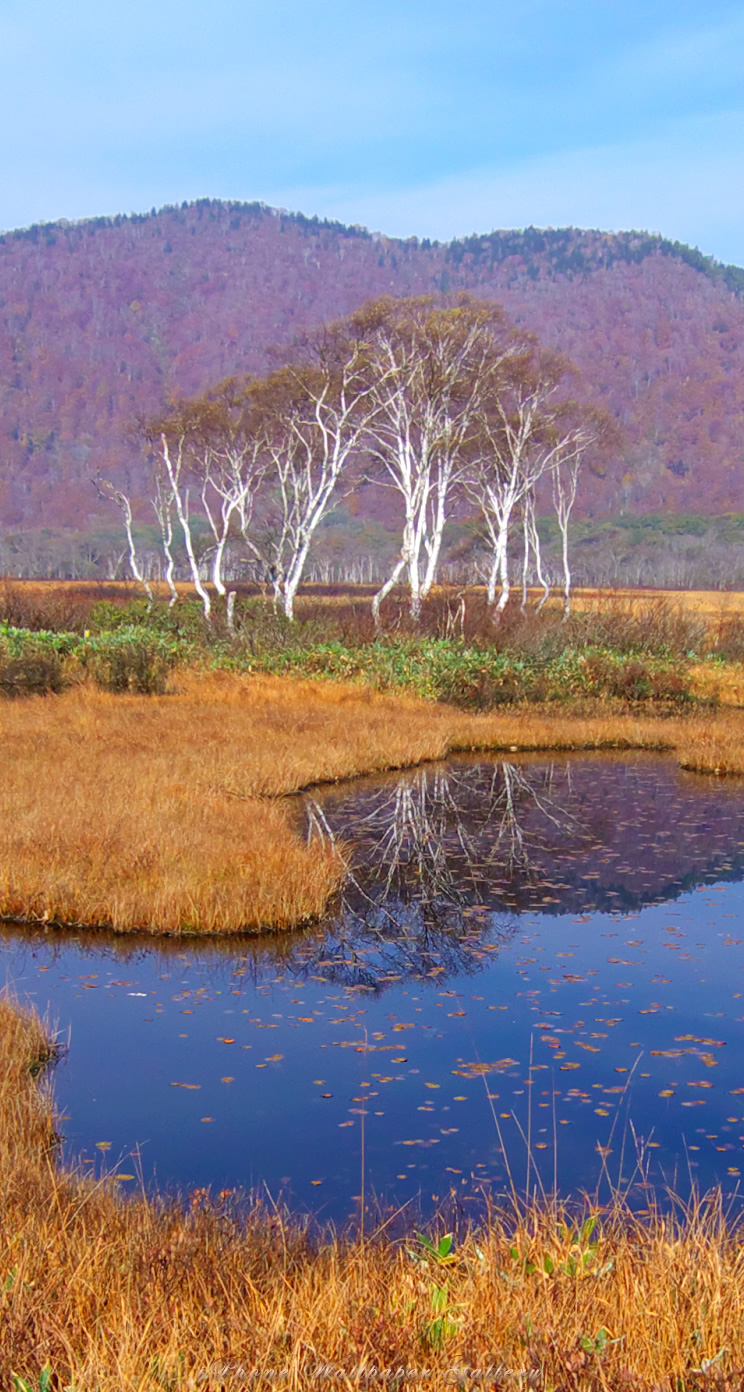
<point x="615" y="647"/>
<point x="149" y="756"/>
<point x="170" y="813"/>
<point x="116" y="1295"/>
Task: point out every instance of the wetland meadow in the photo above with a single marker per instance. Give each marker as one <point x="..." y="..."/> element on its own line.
<point x="354" y="1033"/>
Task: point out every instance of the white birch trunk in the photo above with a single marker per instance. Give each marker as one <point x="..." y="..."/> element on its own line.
<point x="525" y="555"/>
<point x="111" y="494"/>
<point x="181" y="502"/>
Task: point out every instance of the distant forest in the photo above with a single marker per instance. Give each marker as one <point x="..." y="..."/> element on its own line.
<point x="107" y="321"/>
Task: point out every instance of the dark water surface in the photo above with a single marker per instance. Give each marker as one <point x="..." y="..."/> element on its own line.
<point x="543" y="948"/>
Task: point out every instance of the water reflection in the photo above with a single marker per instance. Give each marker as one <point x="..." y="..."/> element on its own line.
<point x="470" y="837"/>
<point x="443" y="860"/>
<point x="514" y="935"/>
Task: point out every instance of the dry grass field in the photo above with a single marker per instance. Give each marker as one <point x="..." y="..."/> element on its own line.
<point x="138" y="1295"/>
<point x="713" y="604"/>
<point x="171" y="813"/>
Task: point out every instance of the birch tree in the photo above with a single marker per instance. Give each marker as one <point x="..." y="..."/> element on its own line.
<point x="172" y="459"/>
<point x="429" y="366"/>
<point x="209" y="447"/>
<point x="531" y="547"/>
<point x="524" y="432"/>
<point x="313" y="417"/>
<point x="590" y="429"/>
<point x="163" y="503"/>
<point x="111" y="494"/>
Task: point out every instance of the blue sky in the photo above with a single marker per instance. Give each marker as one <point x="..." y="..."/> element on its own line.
<point x="423" y="117"/>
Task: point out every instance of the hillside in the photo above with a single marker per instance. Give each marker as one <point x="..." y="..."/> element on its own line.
<point x="102" y="321"/>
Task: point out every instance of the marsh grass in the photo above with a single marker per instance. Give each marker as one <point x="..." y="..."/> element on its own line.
<point x="173" y="814"/>
<point x="117" y="1294"/>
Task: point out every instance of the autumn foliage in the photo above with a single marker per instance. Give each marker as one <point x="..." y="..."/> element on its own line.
<point x="106" y="322"/>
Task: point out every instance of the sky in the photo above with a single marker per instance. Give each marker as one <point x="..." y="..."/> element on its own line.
<point x="412" y="117"/>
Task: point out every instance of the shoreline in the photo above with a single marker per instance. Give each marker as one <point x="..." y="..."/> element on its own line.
<point x="172" y="815"/>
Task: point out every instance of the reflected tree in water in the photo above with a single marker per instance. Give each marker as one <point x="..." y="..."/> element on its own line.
<point x="427" y="855"/>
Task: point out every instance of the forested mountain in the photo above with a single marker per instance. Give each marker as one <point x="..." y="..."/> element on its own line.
<point x="102" y="322"/>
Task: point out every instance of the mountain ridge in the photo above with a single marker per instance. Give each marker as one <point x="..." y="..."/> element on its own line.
<point x="104" y="320"/>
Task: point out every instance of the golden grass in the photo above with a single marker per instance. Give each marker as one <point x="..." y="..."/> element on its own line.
<point x="169" y="814"/>
<point x="713" y="602"/>
<point x="137" y="1294"/>
<point x="723" y="683"/>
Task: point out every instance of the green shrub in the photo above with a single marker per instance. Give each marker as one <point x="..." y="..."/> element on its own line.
<point x="130" y="659"/>
<point x="477" y="678"/>
<point x="184" y="620"/>
<point x="31" y="664"/>
<point x="613" y="676"/>
<point x="31" y="672"/>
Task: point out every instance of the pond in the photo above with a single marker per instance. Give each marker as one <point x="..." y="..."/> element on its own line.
<point x="532" y="957"/>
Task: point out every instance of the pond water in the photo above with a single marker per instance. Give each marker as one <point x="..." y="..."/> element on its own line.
<point x="538" y="950"/>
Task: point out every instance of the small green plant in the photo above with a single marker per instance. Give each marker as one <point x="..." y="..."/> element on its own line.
<point x="46" y="1382"/>
<point x="442" y="1326"/>
<point x="544" y="1266"/>
<point x="583" y="1248"/>
<point x="442" y="1253"/>
<point x="597" y="1343"/>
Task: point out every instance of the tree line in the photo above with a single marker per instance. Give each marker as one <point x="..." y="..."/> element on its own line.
<point x="442" y="403"/>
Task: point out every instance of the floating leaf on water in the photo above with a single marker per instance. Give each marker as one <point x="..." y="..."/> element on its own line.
<point x="479" y="1070"/>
